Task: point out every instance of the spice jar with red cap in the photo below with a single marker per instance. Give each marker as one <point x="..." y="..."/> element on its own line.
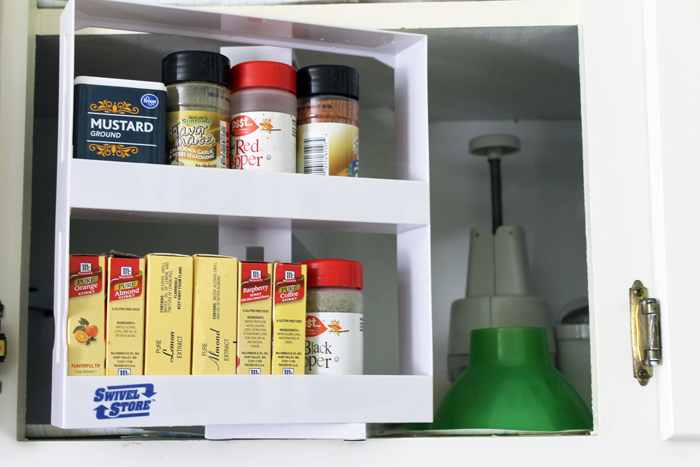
<point x="263" y="117"/>
<point x="334" y="327"/>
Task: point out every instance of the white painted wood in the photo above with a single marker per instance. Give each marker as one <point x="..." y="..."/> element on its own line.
<point x="392" y="16"/>
<point x="672" y="38"/>
<point x="246" y="199"/>
<point x="16" y="114"/>
<point x="62" y="241"/>
<point x="234" y="241"/>
<point x="348" y="431"/>
<point x="414" y="287"/>
<point x="272" y="399"/>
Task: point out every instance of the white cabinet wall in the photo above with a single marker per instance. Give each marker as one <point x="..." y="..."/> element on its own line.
<point x="631" y="110"/>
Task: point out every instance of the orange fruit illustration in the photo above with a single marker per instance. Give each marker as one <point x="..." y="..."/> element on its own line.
<point x="91" y="330"/>
<point x="81" y="336"/>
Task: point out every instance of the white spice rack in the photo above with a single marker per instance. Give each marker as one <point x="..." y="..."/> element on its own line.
<point x="112" y="190"/>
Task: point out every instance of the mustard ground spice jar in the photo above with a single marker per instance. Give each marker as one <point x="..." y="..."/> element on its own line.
<point x="328" y="116"/>
<point x="198" y="106"/>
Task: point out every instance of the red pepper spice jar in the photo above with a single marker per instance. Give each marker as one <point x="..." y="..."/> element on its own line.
<point x="263" y="117"/>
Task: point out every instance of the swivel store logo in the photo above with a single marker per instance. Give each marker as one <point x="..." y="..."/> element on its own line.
<point x="132" y="400"/>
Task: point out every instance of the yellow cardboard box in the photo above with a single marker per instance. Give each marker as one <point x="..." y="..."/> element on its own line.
<point x="215" y="315"/>
<point x="168" y="349"/>
<point x="126" y="312"/>
<point x="254" y="318"/>
<point x="289" y="319"/>
<point x="86" y="315"/>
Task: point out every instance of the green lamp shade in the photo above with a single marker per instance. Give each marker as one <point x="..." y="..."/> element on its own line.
<point x="511" y="384"/>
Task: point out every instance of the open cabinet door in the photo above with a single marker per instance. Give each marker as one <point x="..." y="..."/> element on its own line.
<point x="672" y="47"/>
<point x="16" y="114"/>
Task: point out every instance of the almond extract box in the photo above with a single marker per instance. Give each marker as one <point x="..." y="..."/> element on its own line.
<point x="126" y="313"/>
<point x="168" y="349"/>
<point x="215" y="315"/>
<point x="119" y="120"/>
<point x="86" y="315"/>
<point x="254" y="318"/>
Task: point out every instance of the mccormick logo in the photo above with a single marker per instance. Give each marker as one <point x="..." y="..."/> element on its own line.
<point x="290" y="287"/>
<point x="126" y="271"/>
<point x="85" y="278"/>
<point x="131" y="400"/>
<point x="256" y="274"/>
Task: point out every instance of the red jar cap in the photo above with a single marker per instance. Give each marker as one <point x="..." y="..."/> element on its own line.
<point x="334" y="273"/>
<point x="264" y="74"/>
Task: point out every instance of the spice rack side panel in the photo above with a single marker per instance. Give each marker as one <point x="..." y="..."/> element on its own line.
<point x="360" y="396"/>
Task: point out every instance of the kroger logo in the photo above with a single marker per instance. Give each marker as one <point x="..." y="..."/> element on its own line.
<point x="132" y="400"/>
<point x="149" y="101"/>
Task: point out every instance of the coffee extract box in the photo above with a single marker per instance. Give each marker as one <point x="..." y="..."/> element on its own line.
<point x="119" y="120"/>
<point x="215" y="315"/>
<point x="254" y="318"/>
<point x="86" y="315"/>
<point x="168" y="349"/>
<point x="289" y="319"/>
<point x="126" y="312"/>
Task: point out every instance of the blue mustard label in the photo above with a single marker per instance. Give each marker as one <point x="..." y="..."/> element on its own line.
<point x="118" y="123"/>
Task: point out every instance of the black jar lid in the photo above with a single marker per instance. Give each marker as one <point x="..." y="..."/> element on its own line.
<point x="197" y="65"/>
<point x="328" y="79"/>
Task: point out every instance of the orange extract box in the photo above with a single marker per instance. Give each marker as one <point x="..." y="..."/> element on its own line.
<point x="86" y="315"/>
<point x="289" y="319"/>
<point x="168" y="349"/>
<point x="254" y="318"/>
<point x="215" y="315"/>
<point x="126" y="312"/>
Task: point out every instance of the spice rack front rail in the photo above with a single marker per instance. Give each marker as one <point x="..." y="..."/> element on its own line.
<point x="114" y="190"/>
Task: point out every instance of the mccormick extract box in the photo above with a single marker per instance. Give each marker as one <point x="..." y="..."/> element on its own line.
<point x="215" y="315"/>
<point x="289" y="319"/>
<point x="126" y="312"/>
<point x="86" y="315"/>
<point x="119" y="120"/>
<point x="254" y="318"/>
<point x="168" y="348"/>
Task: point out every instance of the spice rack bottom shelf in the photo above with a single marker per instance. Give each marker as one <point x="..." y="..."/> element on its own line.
<point x="141" y="401"/>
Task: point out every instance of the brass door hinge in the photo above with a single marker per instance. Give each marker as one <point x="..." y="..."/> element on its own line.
<point x="646" y="332"/>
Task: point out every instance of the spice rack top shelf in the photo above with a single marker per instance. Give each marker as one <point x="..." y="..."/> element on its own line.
<point x="104" y="190"/>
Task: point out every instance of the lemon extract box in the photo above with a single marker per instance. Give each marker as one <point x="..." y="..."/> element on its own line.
<point x="289" y="319"/>
<point x="126" y="312"/>
<point x="215" y="315"/>
<point x="86" y="315"/>
<point x="254" y="318"/>
<point x="168" y="348"/>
